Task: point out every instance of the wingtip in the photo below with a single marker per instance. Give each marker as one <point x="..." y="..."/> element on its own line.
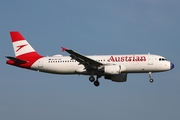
<point x="63" y="49"/>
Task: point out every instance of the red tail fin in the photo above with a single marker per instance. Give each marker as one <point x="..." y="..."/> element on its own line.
<point x="23" y="50"/>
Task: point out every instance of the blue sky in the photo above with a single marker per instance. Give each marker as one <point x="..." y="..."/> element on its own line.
<point x="90" y="27"/>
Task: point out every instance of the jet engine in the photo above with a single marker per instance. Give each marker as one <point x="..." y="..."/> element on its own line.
<point x="113" y="69"/>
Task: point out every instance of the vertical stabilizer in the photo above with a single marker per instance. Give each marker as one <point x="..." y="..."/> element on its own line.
<point x="22" y="48"/>
<point x="26" y="56"/>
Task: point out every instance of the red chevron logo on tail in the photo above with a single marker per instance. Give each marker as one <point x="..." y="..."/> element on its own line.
<point x="20" y="47"/>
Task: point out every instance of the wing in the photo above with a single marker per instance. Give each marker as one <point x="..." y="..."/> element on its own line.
<point x="86" y="61"/>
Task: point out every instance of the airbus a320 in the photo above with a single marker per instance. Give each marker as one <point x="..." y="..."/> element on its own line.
<point x="111" y="67"/>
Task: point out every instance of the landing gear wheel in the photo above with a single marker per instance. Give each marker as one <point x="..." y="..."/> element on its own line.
<point x="151" y="80"/>
<point x="150" y="76"/>
<point x="91" y="78"/>
<point x="96" y="83"/>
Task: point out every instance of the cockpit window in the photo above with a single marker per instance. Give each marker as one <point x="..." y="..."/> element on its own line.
<point x="162" y="59"/>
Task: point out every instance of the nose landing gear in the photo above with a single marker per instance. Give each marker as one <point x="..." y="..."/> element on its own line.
<point x="150" y="76"/>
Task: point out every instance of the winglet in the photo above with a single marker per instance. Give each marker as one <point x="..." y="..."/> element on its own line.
<point x="63" y="49"/>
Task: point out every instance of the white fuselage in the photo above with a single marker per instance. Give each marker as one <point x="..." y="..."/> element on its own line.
<point x="111" y="67"/>
<point x="140" y="63"/>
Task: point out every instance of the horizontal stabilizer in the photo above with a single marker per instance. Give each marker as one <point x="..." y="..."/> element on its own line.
<point x="16" y="60"/>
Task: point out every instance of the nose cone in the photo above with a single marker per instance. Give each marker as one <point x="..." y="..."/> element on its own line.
<point x="172" y="65"/>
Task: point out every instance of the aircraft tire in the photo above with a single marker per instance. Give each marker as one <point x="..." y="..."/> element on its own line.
<point x="96" y="83"/>
<point x="91" y="78"/>
<point x="151" y="80"/>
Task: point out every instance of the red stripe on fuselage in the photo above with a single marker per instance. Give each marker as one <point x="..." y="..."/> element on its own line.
<point x="29" y="57"/>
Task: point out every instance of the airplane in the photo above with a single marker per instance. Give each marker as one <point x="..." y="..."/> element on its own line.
<point x="111" y="67"/>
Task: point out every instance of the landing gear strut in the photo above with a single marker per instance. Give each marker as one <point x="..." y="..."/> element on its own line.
<point x="150" y="76"/>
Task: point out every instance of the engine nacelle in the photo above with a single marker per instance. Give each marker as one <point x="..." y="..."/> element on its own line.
<point x="114" y="69"/>
<point x="117" y="78"/>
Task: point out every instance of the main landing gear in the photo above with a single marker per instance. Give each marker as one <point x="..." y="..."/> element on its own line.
<point x="150" y="76"/>
<point x="96" y="82"/>
<point x="91" y="78"/>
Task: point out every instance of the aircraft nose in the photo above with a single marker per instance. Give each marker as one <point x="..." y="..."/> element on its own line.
<point x="172" y="65"/>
